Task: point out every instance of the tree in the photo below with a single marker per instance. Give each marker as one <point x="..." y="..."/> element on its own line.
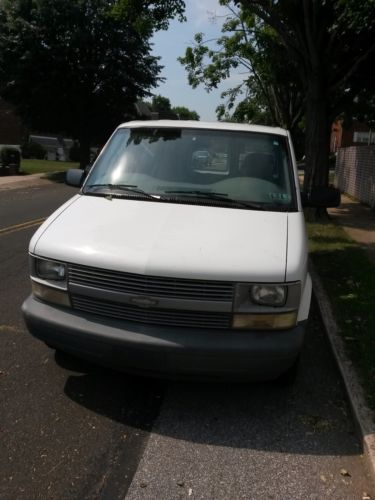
<point x="268" y="94"/>
<point x="362" y="107"/>
<point x="312" y="55"/>
<point x="78" y="67"/>
<point x="329" y="41"/>
<point x="162" y="105"/>
<point x="148" y="16"/>
<point x="184" y="113"/>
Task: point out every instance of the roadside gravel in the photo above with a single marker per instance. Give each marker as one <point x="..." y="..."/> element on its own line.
<point x="23" y="181"/>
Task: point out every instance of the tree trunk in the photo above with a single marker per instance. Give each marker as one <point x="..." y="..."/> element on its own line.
<point x="317" y="136"/>
<point x="84" y="142"/>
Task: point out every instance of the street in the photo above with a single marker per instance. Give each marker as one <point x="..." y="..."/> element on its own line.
<point x="71" y="430"/>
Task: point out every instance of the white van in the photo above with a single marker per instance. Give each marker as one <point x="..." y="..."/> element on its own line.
<point x="184" y="253"/>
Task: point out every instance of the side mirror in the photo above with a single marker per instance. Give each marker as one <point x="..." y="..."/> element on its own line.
<point x="74" y="177"/>
<point x="321" y="197"/>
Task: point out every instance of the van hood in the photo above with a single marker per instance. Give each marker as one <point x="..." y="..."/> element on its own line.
<point x="167" y="239"/>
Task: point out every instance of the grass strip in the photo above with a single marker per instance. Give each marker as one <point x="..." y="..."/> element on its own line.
<point x="349" y="279"/>
<point x="45" y="166"/>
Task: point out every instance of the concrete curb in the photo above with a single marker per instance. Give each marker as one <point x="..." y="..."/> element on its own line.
<point x="364" y="417"/>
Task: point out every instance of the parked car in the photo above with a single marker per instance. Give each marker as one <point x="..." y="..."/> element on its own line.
<point x="201" y="159"/>
<point x="159" y="268"/>
<point x="10" y="160"/>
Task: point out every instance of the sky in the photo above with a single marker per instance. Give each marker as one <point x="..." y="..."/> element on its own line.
<point x="171" y="44"/>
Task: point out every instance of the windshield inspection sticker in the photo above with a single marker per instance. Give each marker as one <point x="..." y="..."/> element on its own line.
<point x="279" y="196"/>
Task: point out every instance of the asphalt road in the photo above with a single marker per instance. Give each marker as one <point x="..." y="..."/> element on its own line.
<point x="71" y="430"/>
<point x="67" y="429"/>
<point x="26" y="204"/>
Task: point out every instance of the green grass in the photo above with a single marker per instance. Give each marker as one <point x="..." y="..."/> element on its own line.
<point x="349" y="279"/>
<point x="45" y="166"/>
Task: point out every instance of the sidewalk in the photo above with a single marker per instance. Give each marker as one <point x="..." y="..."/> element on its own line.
<point x="23" y="181"/>
<point x="358" y="221"/>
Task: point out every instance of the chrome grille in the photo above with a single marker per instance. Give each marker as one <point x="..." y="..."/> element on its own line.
<point x="169" y="317"/>
<point x="138" y="284"/>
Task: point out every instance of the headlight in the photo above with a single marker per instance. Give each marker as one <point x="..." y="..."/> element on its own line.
<point x="50" y="270"/>
<point x="49" y="294"/>
<point x="268" y="295"/>
<point x="280" y="321"/>
<point x="49" y="280"/>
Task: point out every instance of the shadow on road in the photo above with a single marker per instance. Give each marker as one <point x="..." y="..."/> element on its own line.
<point x="132" y="400"/>
<point x="312" y="417"/>
<point x="58" y="177"/>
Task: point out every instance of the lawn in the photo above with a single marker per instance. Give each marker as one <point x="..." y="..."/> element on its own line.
<point x="349" y="279"/>
<point x="45" y="166"/>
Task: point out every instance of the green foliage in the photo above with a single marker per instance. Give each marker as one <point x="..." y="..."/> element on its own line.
<point x="331" y="44"/>
<point x="33" y="149"/>
<point x="162" y="105"/>
<point x="148" y="16"/>
<point x="77" y="67"/>
<point x="184" y="113"/>
<point x="267" y="92"/>
<point x="305" y="62"/>
<point x="349" y="278"/>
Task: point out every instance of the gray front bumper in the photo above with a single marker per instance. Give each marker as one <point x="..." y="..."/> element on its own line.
<point x="159" y="350"/>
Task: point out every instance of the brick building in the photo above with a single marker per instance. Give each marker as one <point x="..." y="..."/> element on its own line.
<point x="11" y="128"/>
<point x="359" y="134"/>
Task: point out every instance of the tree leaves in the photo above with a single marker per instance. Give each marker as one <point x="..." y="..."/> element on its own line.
<point x="162" y="105"/>
<point x="78" y="67"/>
<point x="270" y="93"/>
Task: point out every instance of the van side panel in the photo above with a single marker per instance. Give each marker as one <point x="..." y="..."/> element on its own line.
<point x="304" y="307"/>
<point x="297" y="260"/>
<point x="296" y="264"/>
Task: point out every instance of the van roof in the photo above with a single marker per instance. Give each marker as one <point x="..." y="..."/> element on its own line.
<point x="193" y="124"/>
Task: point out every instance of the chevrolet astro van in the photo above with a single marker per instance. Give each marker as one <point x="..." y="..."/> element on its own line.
<point x="184" y="253"/>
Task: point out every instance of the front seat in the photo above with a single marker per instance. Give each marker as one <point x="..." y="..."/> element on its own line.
<point x="259" y="165"/>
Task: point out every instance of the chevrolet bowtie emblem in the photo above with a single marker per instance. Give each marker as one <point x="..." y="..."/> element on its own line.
<point x="144" y="302"/>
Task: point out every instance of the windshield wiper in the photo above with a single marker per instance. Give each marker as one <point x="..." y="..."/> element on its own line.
<point x="219" y="197"/>
<point x="131" y="188"/>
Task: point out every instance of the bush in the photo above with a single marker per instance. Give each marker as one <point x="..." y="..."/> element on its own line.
<point x="33" y="150"/>
<point x="10" y="157"/>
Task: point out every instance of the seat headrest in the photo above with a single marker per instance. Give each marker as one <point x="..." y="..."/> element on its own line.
<point x="260" y="165"/>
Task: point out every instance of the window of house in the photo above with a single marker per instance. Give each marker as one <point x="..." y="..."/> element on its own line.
<point x="366" y="137"/>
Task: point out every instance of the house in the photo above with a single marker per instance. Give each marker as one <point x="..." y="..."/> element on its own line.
<point x="57" y="147"/>
<point x="359" y="134"/>
<point x="13" y="133"/>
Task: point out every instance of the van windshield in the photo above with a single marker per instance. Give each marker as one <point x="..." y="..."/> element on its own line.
<point x="178" y="164"/>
